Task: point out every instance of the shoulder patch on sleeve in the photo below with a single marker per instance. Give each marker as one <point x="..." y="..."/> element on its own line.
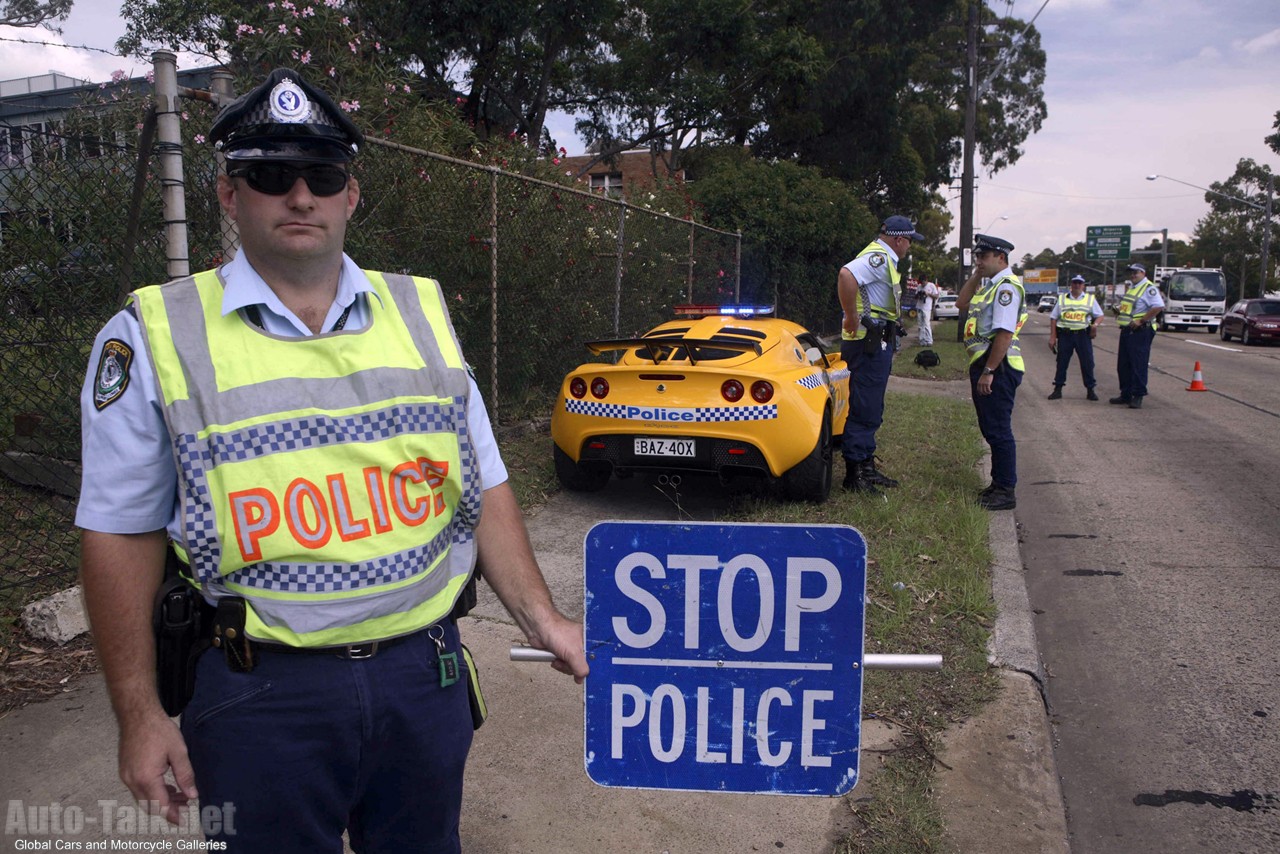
<point x="1004" y="297"/>
<point x="876" y="259"/>
<point x="1151" y="292"/>
<point x="112" y="377"/>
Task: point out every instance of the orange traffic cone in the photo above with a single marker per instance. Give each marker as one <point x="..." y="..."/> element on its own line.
<point x="1197" y="381"/>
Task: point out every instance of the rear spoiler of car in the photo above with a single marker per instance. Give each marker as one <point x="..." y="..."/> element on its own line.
<point x="692" y="346"/>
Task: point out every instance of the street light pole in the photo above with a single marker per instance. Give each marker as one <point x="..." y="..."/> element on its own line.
<point x="1266" y="224"/>
<point x="993" y="222"/>
<point x="1266" y="235"/>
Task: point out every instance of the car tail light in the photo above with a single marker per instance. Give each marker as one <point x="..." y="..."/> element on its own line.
<point x="578" y="387"/>
<point x="599" y="388"/>
<point x="761" y="391"/>
<point x="731" y="390"/>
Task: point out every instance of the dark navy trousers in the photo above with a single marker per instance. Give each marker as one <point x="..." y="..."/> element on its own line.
<point x="868" y="378"/>
<point x="307" y="746"/>
<point x="1133" y="359"/>
<point x="1075" y="341"/>
<point x="995" y="419"/>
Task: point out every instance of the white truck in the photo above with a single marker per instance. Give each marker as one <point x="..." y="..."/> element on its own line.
<point x="1193" y="296"/>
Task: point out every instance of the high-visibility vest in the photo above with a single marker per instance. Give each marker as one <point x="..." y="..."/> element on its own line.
<point x="1124" y="313"/>
<point x="979" y="327"/>
<point x="1075" y="313"/>
<point x="329" y="480"/>
<point x="882" y="312"/>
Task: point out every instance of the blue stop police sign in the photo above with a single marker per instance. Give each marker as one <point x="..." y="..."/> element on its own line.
<point x="724" y="657"/>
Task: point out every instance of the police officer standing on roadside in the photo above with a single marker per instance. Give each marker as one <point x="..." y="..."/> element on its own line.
<point x="869" y="290"/>
<point x="997" y="306"/>
<point x="306" y="436"/>
<point x="1136" y="315"/>
<point x="1073" y="323"/>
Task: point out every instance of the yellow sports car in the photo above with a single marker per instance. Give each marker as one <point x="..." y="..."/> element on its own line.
<point x="720" y="390"/>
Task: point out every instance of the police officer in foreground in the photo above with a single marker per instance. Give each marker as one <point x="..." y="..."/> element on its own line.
<point x="1073" y="324"/>
<point x="1136" y="315"/>
<point x="997" y="307"/>
<point x="869" y="287"/>
<point x="308" y="437"/>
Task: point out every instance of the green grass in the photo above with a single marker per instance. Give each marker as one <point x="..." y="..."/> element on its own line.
<point x="954" y="364"/>
<point x="928" y="589"/>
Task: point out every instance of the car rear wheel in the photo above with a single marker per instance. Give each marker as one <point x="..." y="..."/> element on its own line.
<point x="1222" y="332"/>
<point x="810" y="479"/>
<point x="576" y="477"/>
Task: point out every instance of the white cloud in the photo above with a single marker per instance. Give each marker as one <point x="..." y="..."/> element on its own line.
<point x="1261" y="44"/>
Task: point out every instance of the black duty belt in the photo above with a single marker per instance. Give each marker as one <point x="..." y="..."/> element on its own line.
<point x="354" y="652"/>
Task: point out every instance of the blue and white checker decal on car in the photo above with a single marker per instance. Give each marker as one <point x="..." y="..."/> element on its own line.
<point x="812" y="381"/>
<point x="840" y="375"/>
<point x="680" y="415"/>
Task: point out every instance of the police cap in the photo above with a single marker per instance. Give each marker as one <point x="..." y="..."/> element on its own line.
<point x="1137" y="268"/>
<point x="900" y="226"/>
<point x="985" y="242"/>
<point x="1079" y="279"/>
<point x="285" y="118"/>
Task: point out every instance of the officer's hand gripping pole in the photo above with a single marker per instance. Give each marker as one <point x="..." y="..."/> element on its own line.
<point x="886" y="661"/>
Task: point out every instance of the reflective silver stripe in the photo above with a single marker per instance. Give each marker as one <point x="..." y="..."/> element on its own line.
<point x="206" y="405"/>
<point x="313" y="615"/>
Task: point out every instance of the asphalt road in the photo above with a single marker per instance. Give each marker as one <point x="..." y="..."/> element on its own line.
<point x="1151" y="541"/>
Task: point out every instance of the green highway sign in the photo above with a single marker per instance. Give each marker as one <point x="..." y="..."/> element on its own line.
<point x="1107" y="243"/>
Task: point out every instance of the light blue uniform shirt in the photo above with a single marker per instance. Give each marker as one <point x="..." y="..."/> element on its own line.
<point x="873" y="280"/>
<point x="1007" y="314"/>
<point x="130" y="483"/>
<point x="1147" y="300"/>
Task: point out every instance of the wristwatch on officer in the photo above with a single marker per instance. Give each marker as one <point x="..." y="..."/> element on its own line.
<point x="986" y="371"/>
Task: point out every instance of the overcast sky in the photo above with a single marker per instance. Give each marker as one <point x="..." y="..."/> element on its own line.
<point x="1183" y="88"/>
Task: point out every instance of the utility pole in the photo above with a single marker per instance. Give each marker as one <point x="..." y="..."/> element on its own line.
<point x="970" y="143"/>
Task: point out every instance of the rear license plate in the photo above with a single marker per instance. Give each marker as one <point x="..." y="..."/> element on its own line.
<point x="664" y="447"/>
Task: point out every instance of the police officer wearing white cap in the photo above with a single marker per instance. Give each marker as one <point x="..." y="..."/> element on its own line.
<point x="869" y="290"/>
<point x="1073" y="323"/>
<point x="1136" y="315"/>
<point x="306" y="435"/>
<point x="997" y="306"/>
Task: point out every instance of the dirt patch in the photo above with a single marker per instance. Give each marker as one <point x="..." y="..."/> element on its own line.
<point x="33" y="670"/>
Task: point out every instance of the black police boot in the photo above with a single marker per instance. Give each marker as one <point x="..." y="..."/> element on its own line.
<point x="999" y="498"/>
<point x="1135" y="403"/>
<point x="867" y="471"/>
<point x="1122" y="401"/>
<point x="853" y="480"/>
<point x="1057" y="393"/>
<point x="1092" y="395"/>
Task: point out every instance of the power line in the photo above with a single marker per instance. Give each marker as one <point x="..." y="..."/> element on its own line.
<point x="1089" y="198"/>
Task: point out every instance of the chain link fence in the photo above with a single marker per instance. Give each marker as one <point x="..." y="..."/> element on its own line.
<point x="531" y="269"/>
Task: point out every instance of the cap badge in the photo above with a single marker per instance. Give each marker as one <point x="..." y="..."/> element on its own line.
<point x="288" y="104"/>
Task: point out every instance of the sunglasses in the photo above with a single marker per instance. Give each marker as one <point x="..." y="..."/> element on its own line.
<point x="276" y="179"/>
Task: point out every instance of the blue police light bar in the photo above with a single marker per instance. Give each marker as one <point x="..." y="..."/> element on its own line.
<point x="708" y="310"/>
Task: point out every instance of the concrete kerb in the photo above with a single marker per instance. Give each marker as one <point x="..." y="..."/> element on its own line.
<point x="1001" y="793"/>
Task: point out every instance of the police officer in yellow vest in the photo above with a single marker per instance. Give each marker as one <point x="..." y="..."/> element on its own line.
<point x="307" y="436"/>
<point x="997" y="307"/>
<point x="1136" y="315"/>
<point x="869" y="287"/>
<point x="1073" y="323"/>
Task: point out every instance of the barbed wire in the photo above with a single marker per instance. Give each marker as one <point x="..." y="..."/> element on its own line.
<point x="68" y="46"/>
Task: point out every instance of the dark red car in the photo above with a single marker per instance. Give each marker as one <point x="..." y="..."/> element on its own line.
<point x="1252" y="320"/>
